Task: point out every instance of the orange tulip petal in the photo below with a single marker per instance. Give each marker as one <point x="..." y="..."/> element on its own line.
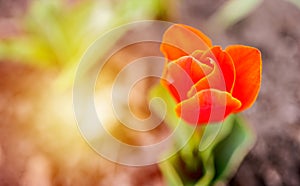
<point x="180" y="75"/>
<point x="207" y="106"/>
<point x="223" y="75"/>
<point x="181" y="40"/>
<point x="193" y="67"/>
<point x="202" y="56"/>
<point x="248" y="66"/>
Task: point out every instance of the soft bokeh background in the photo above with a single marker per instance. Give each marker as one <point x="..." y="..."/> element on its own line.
<point x="41" y="43"/>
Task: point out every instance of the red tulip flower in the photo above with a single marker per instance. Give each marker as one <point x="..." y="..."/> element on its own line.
<point x="207" y="82"/>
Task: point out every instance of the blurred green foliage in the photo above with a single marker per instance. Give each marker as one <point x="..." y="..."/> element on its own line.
<point x="56" y="33"/>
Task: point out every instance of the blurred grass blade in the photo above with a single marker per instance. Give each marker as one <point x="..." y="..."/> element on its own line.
<point x="295" y="2"/>
<point x="232" y="12"/>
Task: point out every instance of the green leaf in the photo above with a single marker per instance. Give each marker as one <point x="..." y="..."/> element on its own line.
<point x="210" y="133"/>
<point x="229" y="153"/>
<point x="209" y="172"/>
<point x="168" y="106"/>
<point x="227" y="150"/>
<point x="214" y="133"/>
<point x="222" y="146"/>
<point x="170" y="174"/>
<point x="186" y="135"/>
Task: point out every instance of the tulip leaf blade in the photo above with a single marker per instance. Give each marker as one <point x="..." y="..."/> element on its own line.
<point x="229" y="153"/>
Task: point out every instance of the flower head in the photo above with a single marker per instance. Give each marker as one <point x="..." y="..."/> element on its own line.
<point x="207" y="82"/>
